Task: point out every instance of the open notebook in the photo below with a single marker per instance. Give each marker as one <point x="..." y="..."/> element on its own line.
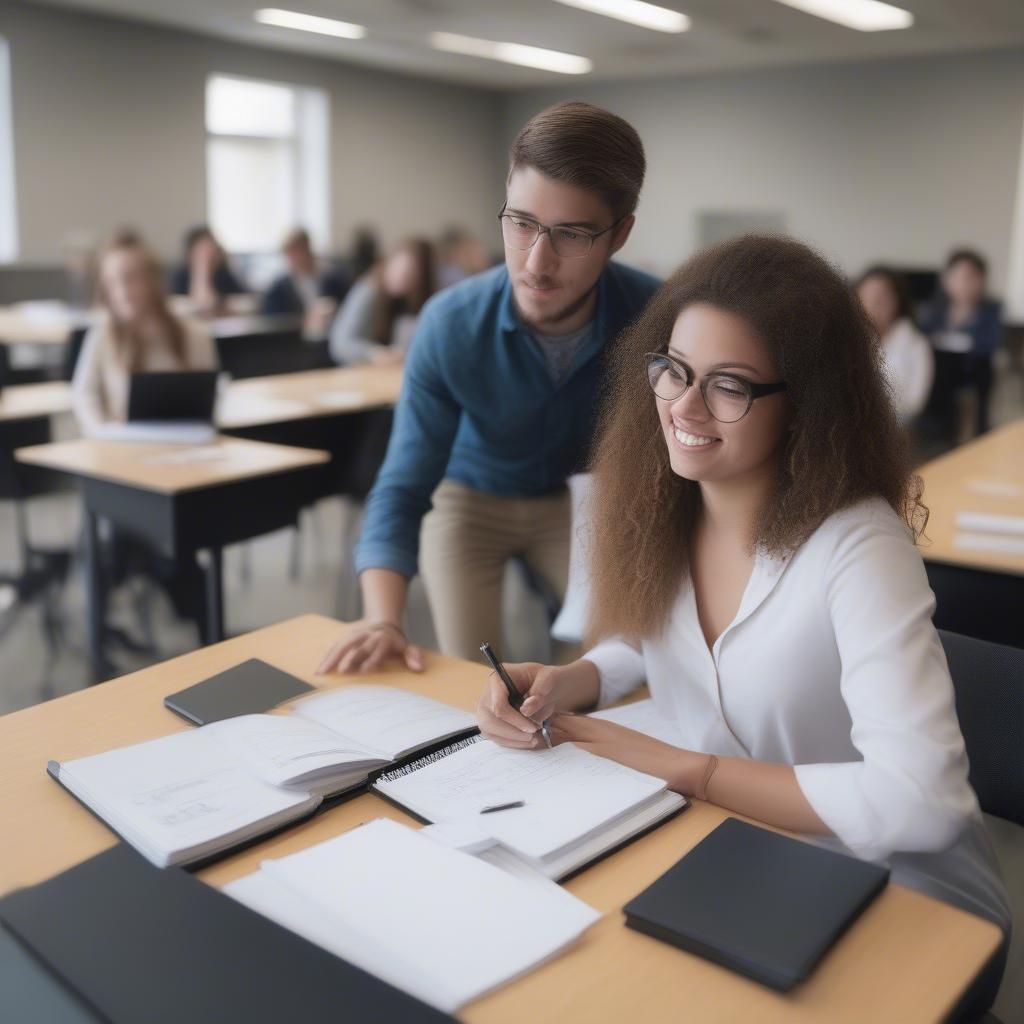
<point x="191" y="795"/>
<point x="435" y="922"/>
<point x="577" y="807"/>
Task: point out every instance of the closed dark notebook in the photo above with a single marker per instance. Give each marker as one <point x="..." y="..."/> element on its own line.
<point x="246" y="689"/>
<point x="137" y="943"/>
<point x="757" y="902"/>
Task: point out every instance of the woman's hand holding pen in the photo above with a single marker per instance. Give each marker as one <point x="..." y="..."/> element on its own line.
<point x="549" y="689"/>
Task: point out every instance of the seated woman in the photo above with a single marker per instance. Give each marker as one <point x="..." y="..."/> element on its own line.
<point x="378" y="317"/>
<point x="966" y="328"/>
<point x="205" y="277"/>
<point x="136" y="333"/>
<point x="907" y="360"/>
<point x="753" y="559"/>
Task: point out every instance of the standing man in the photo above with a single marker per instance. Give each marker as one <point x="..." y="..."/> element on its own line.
<point x="500" y="394"/>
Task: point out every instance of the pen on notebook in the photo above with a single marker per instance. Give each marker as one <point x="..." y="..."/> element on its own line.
<point x="515" y="698"/>
<point x="503" y="807"/>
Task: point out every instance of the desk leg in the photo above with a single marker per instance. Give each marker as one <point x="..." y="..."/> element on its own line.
<point x="215" y="596"/>
<point x="94" y="597"/>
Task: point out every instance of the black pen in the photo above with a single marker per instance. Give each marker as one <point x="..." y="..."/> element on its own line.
<point x="504" y="807"/>
<point x="515" y="698"/>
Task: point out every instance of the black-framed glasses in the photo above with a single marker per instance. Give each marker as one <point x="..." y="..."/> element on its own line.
<point x="521" y="233"/>
<point x="727" y="395"/>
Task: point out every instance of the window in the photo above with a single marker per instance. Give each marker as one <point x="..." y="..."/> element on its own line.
<point x="8" y="207"/>
<point x="266" y="163"/>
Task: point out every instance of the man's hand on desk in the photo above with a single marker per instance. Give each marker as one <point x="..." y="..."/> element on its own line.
<point x="368" y="646"/>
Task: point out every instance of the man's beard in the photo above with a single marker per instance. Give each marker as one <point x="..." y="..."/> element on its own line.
<point x="542" y="326"/>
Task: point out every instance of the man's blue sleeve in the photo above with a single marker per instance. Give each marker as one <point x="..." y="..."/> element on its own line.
<point x="426" y="421"/>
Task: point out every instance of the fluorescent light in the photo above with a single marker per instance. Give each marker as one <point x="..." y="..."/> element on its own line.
<point x="636" y="12"/>
<point x="512" y="53"/>
<point x="309" y="23"/>
<point x="863" y="15"/>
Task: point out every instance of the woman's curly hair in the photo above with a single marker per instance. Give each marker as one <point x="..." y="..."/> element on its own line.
<point x="845" y="443"/>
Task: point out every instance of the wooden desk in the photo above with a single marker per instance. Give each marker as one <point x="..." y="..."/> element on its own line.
<point x="907" y="959"/>
<point x="978" y="593"/>
<point x="967" y="479"/>
<point x="27" y="401"/>
<point x="182" y="499"/>
<point x="344" y="411"/>
<point x="49" y="327"/>
<point x="285" y="397"/>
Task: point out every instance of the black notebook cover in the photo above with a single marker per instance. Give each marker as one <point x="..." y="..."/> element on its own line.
<point x="137" y="943"/>
<point x="757" y="902"/>
<point x="247" y="689"/>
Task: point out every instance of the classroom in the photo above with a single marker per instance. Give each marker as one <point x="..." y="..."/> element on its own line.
<point x="512" y="511"/>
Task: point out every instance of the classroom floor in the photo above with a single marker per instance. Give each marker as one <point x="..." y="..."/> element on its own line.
<point x="260" y="588"/>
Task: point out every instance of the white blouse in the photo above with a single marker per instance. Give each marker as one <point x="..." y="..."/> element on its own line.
<point x="909" y="366"/>
<point x="832" y="665"/>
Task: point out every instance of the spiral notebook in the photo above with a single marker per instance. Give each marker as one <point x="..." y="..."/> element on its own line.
<point x="576" y="807"/>
<point x="192" y="795"/>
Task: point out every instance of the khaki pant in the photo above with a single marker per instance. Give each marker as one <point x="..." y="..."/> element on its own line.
<point x="467" y="540"/>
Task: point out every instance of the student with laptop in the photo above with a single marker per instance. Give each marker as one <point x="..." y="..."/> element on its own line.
<point x="137" y="333"/>
<point x="499" y="394"/>
<point x="753" y="555"/>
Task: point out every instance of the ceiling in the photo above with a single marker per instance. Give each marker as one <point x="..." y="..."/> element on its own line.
<point x="726" y="35"/>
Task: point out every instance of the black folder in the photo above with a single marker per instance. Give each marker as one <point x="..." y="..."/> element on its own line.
<point x="757" y="902"/>
<point x="245" y="689"/>
<point x="137" y="943"/>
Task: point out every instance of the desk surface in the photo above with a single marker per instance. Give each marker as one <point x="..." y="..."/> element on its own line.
<point x="170" y="468"/>
<point x="986" y="475"/>
<point x="291" y="396"/>
<point x="907" y="959"/>
<point x="23" y="401"/>
<point x="44" y="323"/>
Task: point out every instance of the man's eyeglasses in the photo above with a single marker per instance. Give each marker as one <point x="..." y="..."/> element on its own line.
<point x="727" y="395"/>
<point x="521" y="233"/>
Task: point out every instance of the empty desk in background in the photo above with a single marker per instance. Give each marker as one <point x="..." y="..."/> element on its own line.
<point x="345" y="411"/>
<point x="181" y="500"/>
<point x="980" y="590"/>
<point x="907" y="959"/>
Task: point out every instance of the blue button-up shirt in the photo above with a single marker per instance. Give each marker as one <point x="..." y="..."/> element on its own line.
<point x="478" y="405"/>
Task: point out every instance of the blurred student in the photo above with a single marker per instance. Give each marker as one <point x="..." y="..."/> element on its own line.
<point x="205" y="276"/>
<point x="965" y="327"/>
<point x="136" y="332"/>
<point x="907" y="360"/>
<point x="460" y="255"/>
<point x="753" y="562"/>
<point x="378" y="317"/>
<point x="305" y="289"/>
<point x="365" y="251"/>
<point x="500" y="393"/>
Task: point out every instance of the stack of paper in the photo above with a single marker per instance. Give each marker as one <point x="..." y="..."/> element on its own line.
<point x="441" y="925"/>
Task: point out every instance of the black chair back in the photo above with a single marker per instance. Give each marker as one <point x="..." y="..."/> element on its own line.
<point x="988" y="680"/>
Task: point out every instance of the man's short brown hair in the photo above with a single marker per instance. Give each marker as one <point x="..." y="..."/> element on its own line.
<point x="587" y="147"/>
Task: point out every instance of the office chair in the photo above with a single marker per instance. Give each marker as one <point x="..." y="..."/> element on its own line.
<point x="988" y="683"/>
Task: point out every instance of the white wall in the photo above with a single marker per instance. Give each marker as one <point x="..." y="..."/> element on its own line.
<point x="109" y="131"/>
<point x="886" y="160"/>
